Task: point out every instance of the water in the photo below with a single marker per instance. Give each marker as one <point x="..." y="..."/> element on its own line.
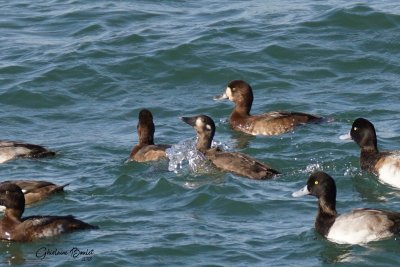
<point x="74" y="75"/>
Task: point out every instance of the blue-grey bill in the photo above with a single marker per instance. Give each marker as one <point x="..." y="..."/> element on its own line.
<point x="219" y="97"/>
<point x="302" y="192"/>
<point x="345" y="136"/>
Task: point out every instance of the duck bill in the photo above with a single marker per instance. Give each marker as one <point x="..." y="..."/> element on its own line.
<point x="302" y="192"/>
<point x="345" y="136"/>
<point x="220" y="97"/>
<point x="189" y="120"/>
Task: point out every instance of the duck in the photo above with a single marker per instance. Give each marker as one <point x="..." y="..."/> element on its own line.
<point x="11" y="150"/>
<point x="35" y="191"/>
<point x="15" y="228"/>
<point x="385" y="164"/>
<point x="271" y="123"/>
<point x="146" y="150"/>
<point x="234" y="162"/>
<point x="358" y="226"/>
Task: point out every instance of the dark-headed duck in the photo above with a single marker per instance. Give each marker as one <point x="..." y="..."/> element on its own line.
<point x="35" y="191"/>
<point x="355" y="227"/>
<point x="11" y="150"/>
<point x="146" y="150"/>
<point x="385" y="164"/>
<point x="235" y="162"/>
<point x="272" y="123"/>
<point x="15" y="228"/>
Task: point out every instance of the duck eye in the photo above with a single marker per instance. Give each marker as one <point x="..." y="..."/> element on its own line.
<point x="355" y="128"/>
<point x="233" y="89"/>
<point x="316" y="182"/>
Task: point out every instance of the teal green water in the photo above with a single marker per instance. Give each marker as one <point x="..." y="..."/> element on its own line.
<point x="74" y="74"/>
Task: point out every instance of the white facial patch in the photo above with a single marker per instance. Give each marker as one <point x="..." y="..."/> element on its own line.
<point x="208" y="126"/>
<point x="228" y="93"/>
<point x="199" y="122"/>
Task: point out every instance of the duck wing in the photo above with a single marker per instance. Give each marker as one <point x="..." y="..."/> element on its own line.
<point x="10" y="150"/>
<point x="274" y="123"/>
<point x="240" y="164"/>
<point x="36" y="227"/>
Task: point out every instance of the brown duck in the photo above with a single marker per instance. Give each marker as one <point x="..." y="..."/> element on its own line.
<point x="15" y="228"/>
<point x="272" y="123"/>
<point x="12" y="150"/>
<point x="146" y="150"/>
<point x="235" y="162"/>
<point x="35" y="191"/>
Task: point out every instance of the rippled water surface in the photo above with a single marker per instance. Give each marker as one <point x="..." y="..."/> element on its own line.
<point x="74" y="75"/>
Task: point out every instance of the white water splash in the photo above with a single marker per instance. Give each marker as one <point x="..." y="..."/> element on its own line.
<point x="185" y="153"/>
<point x="351" y="171"/>
<point x="313" y="167"/>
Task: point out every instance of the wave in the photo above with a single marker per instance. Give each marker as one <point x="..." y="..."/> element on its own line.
<point x="358" y="17"/>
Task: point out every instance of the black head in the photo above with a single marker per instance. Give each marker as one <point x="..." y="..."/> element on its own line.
<point x="11" y="197"/>
<point x="320" y="185"/>
<point x="363" y="133"/>
<point x="145" y="127"/>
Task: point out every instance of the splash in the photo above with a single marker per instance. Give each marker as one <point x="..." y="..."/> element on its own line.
<point x="313" y="167"/>
<point x="185" y="154"/>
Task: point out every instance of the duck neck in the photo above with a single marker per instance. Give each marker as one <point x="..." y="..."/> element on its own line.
<point x="13" y="215"/>
<point x="242" y="108"/>
<point x="147" y="140"/>
<point x="368" y="158"/>
<point x="146" y="136"/>
<point x="326" y="215"/>
<point x="203" y="142"/>
<point x="368" y="142"/>
<point x="370" y="149"/>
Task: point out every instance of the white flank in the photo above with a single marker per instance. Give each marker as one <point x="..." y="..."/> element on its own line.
<point x="358" y="227"/>
<point x="390" y="172"/>
<point x="4" y="158"/>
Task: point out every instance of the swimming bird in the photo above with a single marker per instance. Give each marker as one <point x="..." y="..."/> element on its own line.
<point x="272" y="123"/>
<point x="15" y="228"/>
<point x="146" y="150"/>
<point x="35" y="191"/>
<point x="11" y="150"/>
<point x="385" y="164"/>
<point x="358" y="226"/>
<point x="235" y="162"/>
